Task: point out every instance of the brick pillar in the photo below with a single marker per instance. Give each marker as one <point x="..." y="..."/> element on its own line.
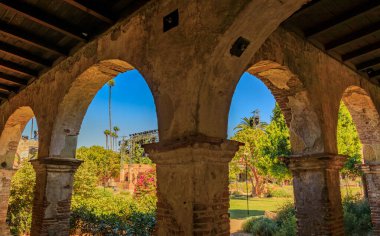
<point x="192" y="186"/>
<point x="52" y="196"/>
<point x="372" y="175"/>
<point x="317" y="194"/>
<point x="5" y="187"/>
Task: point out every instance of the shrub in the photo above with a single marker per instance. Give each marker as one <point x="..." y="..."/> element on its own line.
<point x="286" y="220"/>
<point x="357" y="220"/>
<point x="357" y="216"/>
<point x="107" y="213"/>
<point x="279" y="192"/>
<point x="261" y="226"/>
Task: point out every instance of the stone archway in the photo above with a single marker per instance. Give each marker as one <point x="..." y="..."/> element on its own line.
<point x="293" y="99"/>
<point x="9" y="141"/>
<point x="367" y="121"/>
<point x="56" y="172"/>
<point x="315" y="173"/>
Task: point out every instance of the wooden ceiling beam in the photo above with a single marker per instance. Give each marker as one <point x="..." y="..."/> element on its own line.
<point x="30" y="39"/>
<point x="44" y="18"/>
<point x="353" y="36"/>
<point x="4" y="96"/>
<point x="91" y="8"/>
<point x="368" y="64"/>
<point x="23" y="54"/>
<point x="14" y="67"/>
<point x="340" y="19"/>
<point x="9" y="88"/>
<point x="374" y="74"/>
<point x="13" y="79"/>
<point x="361" y="51"/>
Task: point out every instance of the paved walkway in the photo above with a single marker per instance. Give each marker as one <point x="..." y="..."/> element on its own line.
<point x="236" y="226"/>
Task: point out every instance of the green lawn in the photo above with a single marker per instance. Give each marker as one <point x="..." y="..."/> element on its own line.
<point x="257" y="206"/>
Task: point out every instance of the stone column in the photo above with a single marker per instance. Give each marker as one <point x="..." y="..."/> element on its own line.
<point x="5" y="189"/>
<point x="52" y="196"/>
<point x="372" y="175"/>
<point x="192" y="185"/>
<point x="317" y="194"/>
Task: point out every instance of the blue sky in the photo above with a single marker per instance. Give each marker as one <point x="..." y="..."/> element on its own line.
<point x="133" y="108"/>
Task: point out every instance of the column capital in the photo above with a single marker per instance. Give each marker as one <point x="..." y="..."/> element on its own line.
<point x="56" y="164"/>
<point x="189" y="149"/>
<point x="316" y="161"/>
<point x="371" y="168"/>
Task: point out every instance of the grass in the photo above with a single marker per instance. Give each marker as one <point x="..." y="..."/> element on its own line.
<point x="257" y="206"/>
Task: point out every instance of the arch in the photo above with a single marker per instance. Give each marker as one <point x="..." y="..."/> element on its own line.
<point x="293" y="99"/>
<point x="366" y="119"/>
<point x="11" y="134"/>
<point x="73" y="107"/>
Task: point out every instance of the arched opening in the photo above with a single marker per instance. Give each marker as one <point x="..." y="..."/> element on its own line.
<point x="276" y="120"/>
<point x="109" y="113"/>
<point x="359" y="138"/>
<point x="18" y="145"/>
<point x="367" y="121"/>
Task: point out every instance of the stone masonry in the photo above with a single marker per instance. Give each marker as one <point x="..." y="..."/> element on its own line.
<point x="52" y="198"/>
<point x="372" y="174"/>
<point x="317" y="194"/>
<point x="192" y="191"/>
<point x="5" y="186"/>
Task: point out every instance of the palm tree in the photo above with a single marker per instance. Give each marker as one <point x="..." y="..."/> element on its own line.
<point x="251" y="122"/>
<point x="116" y="129"/>
<point x="107" y="133"/>
<point x="113" y="136"/>
<point x="110" y="84"/>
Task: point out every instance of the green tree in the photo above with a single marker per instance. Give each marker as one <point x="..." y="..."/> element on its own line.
<point x="348" y="142"/>
<point x="106" y="162"/>
<point x="21" y="199"/>
<point x="85" y="180"/>
<point x="263" y="145"/>
<point x="276" y="144"/>
<point x="249" y="157"/>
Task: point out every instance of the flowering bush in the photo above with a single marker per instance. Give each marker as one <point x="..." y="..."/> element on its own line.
<point x="146" y="183"/>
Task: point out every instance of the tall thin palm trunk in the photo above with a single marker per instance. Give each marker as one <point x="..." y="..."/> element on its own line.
<point x="109" y="111"/>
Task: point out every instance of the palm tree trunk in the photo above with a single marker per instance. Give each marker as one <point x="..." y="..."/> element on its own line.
<point x="109" y="107"/>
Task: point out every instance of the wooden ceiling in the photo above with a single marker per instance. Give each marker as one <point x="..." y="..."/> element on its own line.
<point x="348" y="30"/>
<point x="36" y="34"/>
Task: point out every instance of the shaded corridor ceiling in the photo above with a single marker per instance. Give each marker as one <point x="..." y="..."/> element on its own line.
<point x="348" y="30"/>
<point x="36" y="34"/>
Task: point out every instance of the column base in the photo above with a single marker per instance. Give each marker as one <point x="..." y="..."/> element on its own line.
<point x="372" y="175"/>
<point x="52" y="198"/>
<point x="317" y="194"/>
